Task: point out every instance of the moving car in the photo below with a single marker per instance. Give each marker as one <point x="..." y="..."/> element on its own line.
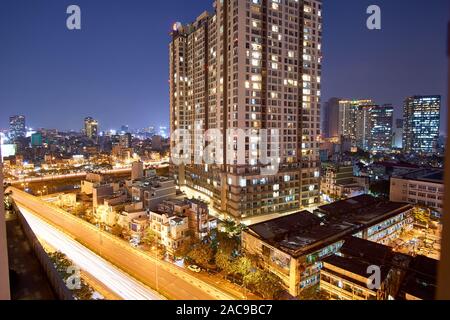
<point x="195" y="268"/>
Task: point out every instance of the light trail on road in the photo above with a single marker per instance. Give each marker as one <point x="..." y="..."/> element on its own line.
<point x="116" y="280"/>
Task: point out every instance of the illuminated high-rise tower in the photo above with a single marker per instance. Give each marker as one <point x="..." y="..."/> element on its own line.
<point x="252" y="65"/>
<point x="91" y="128"/>
<point x="422" y="116"/>
<point x="17" y="127"/>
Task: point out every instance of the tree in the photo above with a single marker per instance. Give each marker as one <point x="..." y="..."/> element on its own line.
<point x="183" y="250"/>
<point x="202" y="254"/>
<point x="244" y="266"/>
<point x="79" y="210"/>
<point x="117" y="230"/>
<point x="422" y="215"/>
<point x="224" y="263"/>
<point x="269" y="285"/>
<point x="232" y="228"/>
<point x="380" y="188"/>
<point x="62" y="265"/>
<point x="150" y="238"/>
<point x="227" y="245"/>
<point x="313" y="293"/>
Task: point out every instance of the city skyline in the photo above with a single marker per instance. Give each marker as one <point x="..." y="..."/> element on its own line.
<point x="248" y="150"/>
<point x="128" y="79"/>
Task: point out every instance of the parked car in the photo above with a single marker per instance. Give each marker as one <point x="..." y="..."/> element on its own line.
<point x="195" y="268"/>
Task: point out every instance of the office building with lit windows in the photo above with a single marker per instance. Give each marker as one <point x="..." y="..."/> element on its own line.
<point x="381" y="122"/>
<point x="91" y="128"/>
<point x="422" y="187"/>
<point x="252" y="65"/>
<point x="17" y="127"/>
<point x="422" y="116"/>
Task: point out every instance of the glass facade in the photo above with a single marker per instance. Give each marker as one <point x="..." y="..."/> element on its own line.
<point x="421" y="124"/>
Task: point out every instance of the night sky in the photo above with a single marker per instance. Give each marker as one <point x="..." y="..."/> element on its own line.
<point x="116" y="68"/>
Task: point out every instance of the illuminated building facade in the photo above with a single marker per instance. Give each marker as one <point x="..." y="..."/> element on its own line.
<point x="17" y="127"/>
<point x="350" y="112"/>
<point x="422" y="116"/>
<point x="252" y="64"/>
<point x="91" y="128"/>
<point x="381" y="122"/>
<point x="422" y="187"/>
<point x="367" y="125"/>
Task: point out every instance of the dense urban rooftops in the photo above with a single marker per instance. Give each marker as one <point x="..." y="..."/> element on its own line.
<point x="153" y="182"/>
<point x="421" y="278"/>
<point x="363" y="209"/>
<point x="304" y="232"/>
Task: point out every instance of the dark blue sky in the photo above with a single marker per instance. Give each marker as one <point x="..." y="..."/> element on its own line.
<point x="116" y="68"/>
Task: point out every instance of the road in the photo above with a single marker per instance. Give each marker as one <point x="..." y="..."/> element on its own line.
<point x="171" y="281"/>
<point x="117" y="281"/>
<point x="49" y="178"/>
<point x="79" y="175"/>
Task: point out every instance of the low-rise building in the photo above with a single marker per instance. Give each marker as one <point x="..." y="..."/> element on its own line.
<point x="107" y="212"/>
<point x="200" y="222"/>
<point x="423" y="187"/>
<point x="172" y="229"/>
<point x="420" y="280"/>
<point x="338" y="181"/>
<point x="293" y="247"/>
<point x="153" y="191"/>
<point x="349" y="274"/>
<point x="135" y="220"/>
<point x="364" y="270"/>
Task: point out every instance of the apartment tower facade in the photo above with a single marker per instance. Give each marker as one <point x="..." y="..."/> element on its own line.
<point x="422" y="118"/>
<point x="251" y="65"/>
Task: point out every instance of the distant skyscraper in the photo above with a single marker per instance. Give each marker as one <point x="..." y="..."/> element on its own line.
<point x="353" y="121"/>
<point x="17" y="127"/>
<point x="91" y="128"/>
<point x="125" y="140"/>
<point x="124" y="129"/>
<point x="381" y="121"/>
<point x="398" y="134"/>
<point x="331" y="118"/>
<point x="251" y="65"/>
<point x="362" y="126"/>
<point x="421" y="124"/>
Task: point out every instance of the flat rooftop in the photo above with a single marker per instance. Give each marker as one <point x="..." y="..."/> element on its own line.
<point x="299" y="233"/>
<point x="153" y="182"/>
<point x="362" y="209"/>
<point x="304" y="232"/>
<point x="355" y="266"/>
<point x="425" y="175"/>
<point x="421" y="278"/>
